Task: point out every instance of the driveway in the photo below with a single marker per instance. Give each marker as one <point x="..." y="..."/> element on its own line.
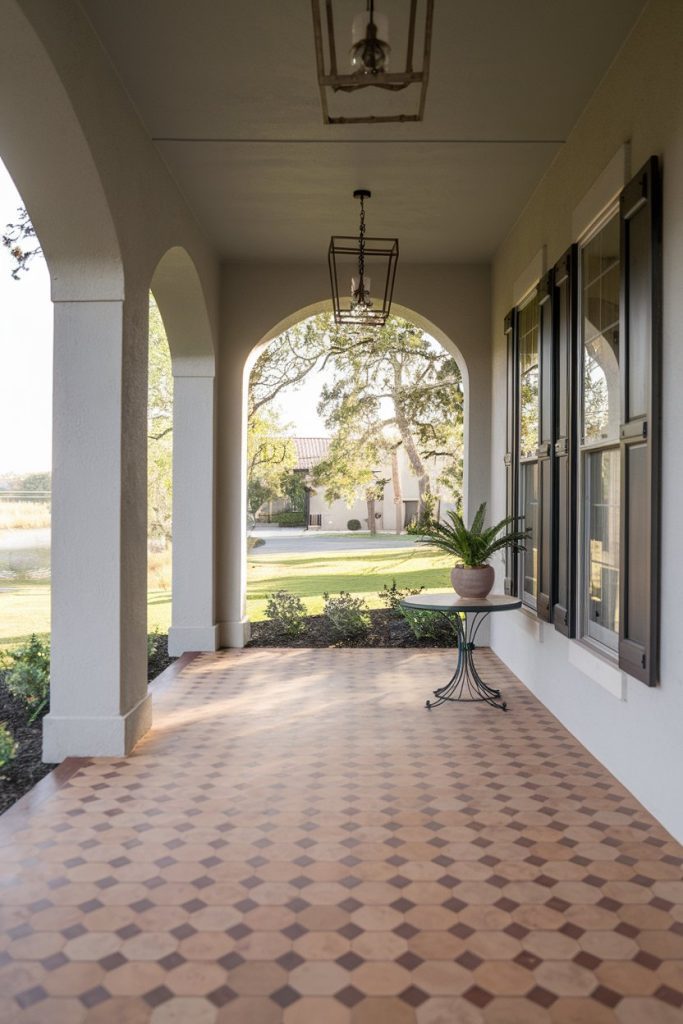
<point x="295" y="540"/>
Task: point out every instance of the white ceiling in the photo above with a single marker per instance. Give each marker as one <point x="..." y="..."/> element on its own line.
<point x="229" y="92"/>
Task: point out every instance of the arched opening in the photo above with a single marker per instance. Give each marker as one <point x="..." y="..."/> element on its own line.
<point x="383" y="452"/>
<point x="159" y="478"/>
<point x="181" y="456"/>
<point x="26" y="314"/>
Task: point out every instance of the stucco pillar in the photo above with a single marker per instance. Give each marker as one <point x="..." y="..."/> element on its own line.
<point x="234" y="629"/>
<point x="99" y="703"/>
<point x="194" y="624"/>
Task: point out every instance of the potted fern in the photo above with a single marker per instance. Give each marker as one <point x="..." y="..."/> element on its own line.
<point x="473" y="548"/>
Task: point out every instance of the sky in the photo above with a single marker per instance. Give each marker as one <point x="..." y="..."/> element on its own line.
<point x="298" y="408"/>
<point x="25" y="355"/>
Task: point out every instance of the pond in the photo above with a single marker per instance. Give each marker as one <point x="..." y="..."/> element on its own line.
<point x="24" y="555"/>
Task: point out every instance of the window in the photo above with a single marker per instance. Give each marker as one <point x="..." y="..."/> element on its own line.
<point x="600" y="419"/>
<point x="583" y="434"/>
<point x="527" y="327"/>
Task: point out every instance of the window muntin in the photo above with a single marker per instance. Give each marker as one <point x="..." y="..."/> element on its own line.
<point x="529" y="425"/>
<point x="602" y="512"/>
<point x="530" y="511"/>
<point x="599" y="436"/>
<point x="528" y="380"/>
<point x="600" y="336"/>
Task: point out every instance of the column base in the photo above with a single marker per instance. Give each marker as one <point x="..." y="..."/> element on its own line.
<point x="235" y="634"/>
<point x="115" y="736"/>
<point x="192" y="638"/>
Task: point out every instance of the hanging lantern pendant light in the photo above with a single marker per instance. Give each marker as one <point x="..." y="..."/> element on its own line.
<point x="360" y="309"/>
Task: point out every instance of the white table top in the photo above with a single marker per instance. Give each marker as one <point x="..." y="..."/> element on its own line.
<point x="451" y="602"/>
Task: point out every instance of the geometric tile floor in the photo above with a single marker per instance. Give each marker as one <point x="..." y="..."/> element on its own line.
<point x="298" y="840"/>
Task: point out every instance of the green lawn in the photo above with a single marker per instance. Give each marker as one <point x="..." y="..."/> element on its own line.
<point x="360" y="572"/>
<point x="25" y="608"/>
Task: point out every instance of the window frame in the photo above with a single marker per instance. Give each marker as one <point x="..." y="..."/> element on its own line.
<point x="608" y="645"/>
<point x="529" y="601"/>
<point x="562" y="592"/>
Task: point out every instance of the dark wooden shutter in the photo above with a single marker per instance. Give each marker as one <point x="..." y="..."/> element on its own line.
<point x="565" y="414"/>
<point x="511" y="445"/>
<point x="640" y="362"/>
<point x="544" y="452"/>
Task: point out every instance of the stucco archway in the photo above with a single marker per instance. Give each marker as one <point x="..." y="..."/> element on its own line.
<point x="237" y="526"/>
<point x="179" y="295"/>
<point x="98" y="701"/>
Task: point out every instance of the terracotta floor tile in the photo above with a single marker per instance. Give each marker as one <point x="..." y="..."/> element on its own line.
<point x="382" y="1011"/>
<point x="298" y="841"/>
<point x="185" y="1011"/>
<point x="448" y="1011"/>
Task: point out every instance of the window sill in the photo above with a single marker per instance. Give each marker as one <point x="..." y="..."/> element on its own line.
<point x="530" y="623"/>
<point x="598" y="667"/>
<point x="602" y="669"/>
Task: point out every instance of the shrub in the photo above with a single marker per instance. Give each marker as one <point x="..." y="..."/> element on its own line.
<point x="392" y="596"/>
<point x="290" y="519"/>
<point x="348" y="616"/>
<point x="154" y="638"/>
<point x="429" y="625"/>
<point x="353" y="524"/>
<point x="287" y="612"/>
<point x="418" y="525"/>
<point x="28" y="673"/>
<point x="8" y="748"/>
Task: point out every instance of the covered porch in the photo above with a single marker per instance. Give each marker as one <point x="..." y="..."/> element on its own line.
<point x="297" y="840"/>
<point x="289" y="836"/>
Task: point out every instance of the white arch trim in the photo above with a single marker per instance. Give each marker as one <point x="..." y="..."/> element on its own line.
<point x="178" y="292"/>
<point x="50" y="161"/>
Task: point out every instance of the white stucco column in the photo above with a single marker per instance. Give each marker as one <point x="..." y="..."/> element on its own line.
<point x="234" y="629"/>
<point x="98" y="702"/>
<point x="194" y="623"/>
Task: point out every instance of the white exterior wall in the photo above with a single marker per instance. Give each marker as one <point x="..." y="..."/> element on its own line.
<point x="336" y="515"/>
<point x="635" y="731"/>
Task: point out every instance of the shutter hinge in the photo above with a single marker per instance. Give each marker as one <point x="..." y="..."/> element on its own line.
<point x="508" y="459"/>
<point x="543" y="451"/>
<point x="562" y="446"/>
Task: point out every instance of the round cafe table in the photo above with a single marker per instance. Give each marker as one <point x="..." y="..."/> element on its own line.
<point x="467" y="614"/>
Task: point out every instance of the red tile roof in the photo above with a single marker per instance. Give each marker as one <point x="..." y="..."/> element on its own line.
<point x="310" y="451"/>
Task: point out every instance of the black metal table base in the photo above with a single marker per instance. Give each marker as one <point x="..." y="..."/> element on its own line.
<point x="466" y="685"/>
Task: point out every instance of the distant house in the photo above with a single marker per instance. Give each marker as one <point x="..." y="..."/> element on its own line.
<point x="322" y="515"/>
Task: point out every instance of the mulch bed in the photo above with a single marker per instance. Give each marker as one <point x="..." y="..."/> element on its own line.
<point x="22" y="773"/>
<point x="387" y="630"/>
<point x="158" y="659"/>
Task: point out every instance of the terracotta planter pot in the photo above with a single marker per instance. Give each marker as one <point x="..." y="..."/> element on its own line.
<point x="472" y="581"/>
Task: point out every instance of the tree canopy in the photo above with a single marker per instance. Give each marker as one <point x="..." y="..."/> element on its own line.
<point x="396" y="387"/>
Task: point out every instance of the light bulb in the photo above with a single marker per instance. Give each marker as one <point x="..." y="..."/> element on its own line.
<point x="360" y="293"/>
<point x="370" y="48"/>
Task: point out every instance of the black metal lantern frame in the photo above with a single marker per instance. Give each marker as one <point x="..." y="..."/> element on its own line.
<point x="329" y="76"/>
<point x="353" y="260"/>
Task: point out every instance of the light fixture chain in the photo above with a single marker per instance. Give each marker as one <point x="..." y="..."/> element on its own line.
<point x="361" y="248"/>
